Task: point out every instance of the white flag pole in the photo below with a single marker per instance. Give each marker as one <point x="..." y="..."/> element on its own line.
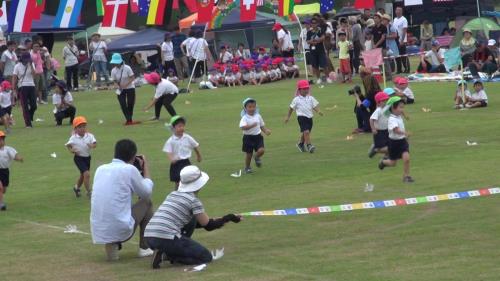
<point x="303" y="47"/>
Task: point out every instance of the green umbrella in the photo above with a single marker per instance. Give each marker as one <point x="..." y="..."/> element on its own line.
<point x="478" y="25"/>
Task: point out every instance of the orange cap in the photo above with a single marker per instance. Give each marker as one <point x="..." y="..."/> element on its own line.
<point x="2" y="134"/>
<point x="79" y="120"/>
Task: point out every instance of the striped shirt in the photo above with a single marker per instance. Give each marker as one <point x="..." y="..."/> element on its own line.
<point x="173" y="214"/>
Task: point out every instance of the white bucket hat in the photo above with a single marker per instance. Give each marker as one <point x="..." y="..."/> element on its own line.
<point x="192" y="179"/>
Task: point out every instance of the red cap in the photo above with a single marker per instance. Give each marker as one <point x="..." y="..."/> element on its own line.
<point x="277" y="26"/>
<point x="303" y="84"/>
<point x="381" y="96"/>
<point x="401" y="81"/>
<point x="6" y="85"/>
<point x="152" y="78"/>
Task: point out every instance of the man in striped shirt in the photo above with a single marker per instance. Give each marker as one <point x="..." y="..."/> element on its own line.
<point x="169" y="230"/>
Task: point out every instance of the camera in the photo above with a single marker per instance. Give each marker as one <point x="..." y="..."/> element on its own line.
<point x="139" y="164"/>
<point x="355" y="90"/>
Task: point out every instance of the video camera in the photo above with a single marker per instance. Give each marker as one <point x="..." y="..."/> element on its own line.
<point x="139" y="164"/>
<point x="355" y="90"/>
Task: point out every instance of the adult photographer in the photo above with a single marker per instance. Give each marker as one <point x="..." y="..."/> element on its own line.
<point x="365" y="104"/>
<point x="113" y="219"/>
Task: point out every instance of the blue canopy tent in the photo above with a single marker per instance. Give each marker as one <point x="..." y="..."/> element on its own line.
<point x="143" y="40"/>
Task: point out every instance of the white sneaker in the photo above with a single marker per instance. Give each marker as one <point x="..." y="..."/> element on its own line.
<point x="145" y="253"/>
<point x="319" y="81"/>
<point x="112" y="251"/>
<point x="329" y="81"/>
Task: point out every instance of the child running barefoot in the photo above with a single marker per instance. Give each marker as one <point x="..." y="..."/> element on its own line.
<point x="252" y="125"/>
<point x="304" y="105"/>
<point x="378" y="124"/>
<point x="478" y="98"/>
<point x="6" y="99"/>
<point x="80" y="143"/>
<point x="7" y="155"/>
<point x="461" y="94"/>
<point x="178" y="148"/>
<point x="398" y="143"/>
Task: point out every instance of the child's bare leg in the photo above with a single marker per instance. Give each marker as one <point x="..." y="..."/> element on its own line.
<point x="260" y="152"/>
<point x="6" y="122"/>
<point x="382" y="150"/>
<point x="390" y="163"/>
<point x="302" y="138"/>
<point x="406" y="164"/>
<point x="79" y="182"/>
<point x="307" y="137"/>
<point x="2" y="191"/>
<point x="248" y="159"/>
<point x="86" y="181"/>
<point x="475" y="104"/>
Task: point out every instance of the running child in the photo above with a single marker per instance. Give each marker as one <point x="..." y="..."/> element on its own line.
<point x="6" y="98"/>
<point x="63" y="102"/>
<point x="7" y="155"/>
<point x="461" y="94"/>
<point x="252" y="125"/>
<point x="398" y="139"/>
<point x="378" y="124"/>
<point x="80" y="143"/>
<point x="179" y="148"/>
<point x="403" y="90"/>
<point x="478" y="98"/>
<point x="304" y="105"/>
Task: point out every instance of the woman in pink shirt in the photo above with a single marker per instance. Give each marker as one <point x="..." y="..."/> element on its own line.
<point x="36" y="57"/>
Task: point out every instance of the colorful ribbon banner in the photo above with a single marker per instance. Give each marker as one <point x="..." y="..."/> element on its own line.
<point x="377" y="204"/>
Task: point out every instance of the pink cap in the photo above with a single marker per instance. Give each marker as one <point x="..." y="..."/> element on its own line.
<point x="303" y="84"/>
<point x="402" y="81"/>
<point x="6" y="85"/>
<point x="152" y="78"/>
<point x="381" y="96"/>
<point x="277" y="26"/>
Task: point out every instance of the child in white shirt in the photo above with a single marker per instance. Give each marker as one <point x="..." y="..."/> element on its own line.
<point x="304" y="105"/>
<point x="478" y="98"/>
<point x="378" y="124"/>
<point x="292" y="70"/>
<point x="252" y="125"/>
<point x="398" y="139"/>
<point x="461" y="94"/>
<point x="6" y="98"/>
<point x="63" y="102"/>
<point x="172" y="77"/>
<point x="7" y="155"/>
<point x="213" y="77"/>
<point x="179" y="148"/>
<point x="80" y="143"/>
<point x="403" y="90"/>
<point x="229" y="78"/>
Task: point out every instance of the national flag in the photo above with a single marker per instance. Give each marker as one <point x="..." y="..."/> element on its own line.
<point x="373" y="58"/>
<point x="115" y="13"/>
<point x="156" y="12"/>
<point x="452" y="57"/>
<point x="326" y="6"/>
<point x="100" y="7"/>
<point x="175" y="5"/>
<point x="260" y="3"/>
<point x="191" y="5"/>
<point x="248" y="10"/>
<point x="134" y="6"/>
<point x="413" y="2"/>
<point x="39" y="9"/>
<point x="205" y="8"/>
<point x="144" y="7"/>
<point x="3" y="13"/>
<point x="21" y="15"/>
<point x="285" y="7"/>
<point x="68" y="13"/>
<point x="364" y="4"/>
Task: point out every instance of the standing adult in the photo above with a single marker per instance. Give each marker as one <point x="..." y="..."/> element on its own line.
<point x="199" y="54"/>
<point x="186" y="50"/>
<point x="401" y="24"/>
<point x="8" y="61"/>
<point x="379" y="32"/>
<point x="167" y="54"/>
<point x="180" y="60"/>
<point x="99" y="60"/>
<point x="124" y="77"/>
<point x="113" y="219"/>
<point x="467" y="46"/>
<point x="357" y="43"/>
<point x="36" y="57"/>
<point x="285" y="40"/>
<point x="367" y="14"/>
<point x="426" y="35"/>
<point x="165" y="93"/>
<point x="169" y="230"/>
<point x="391" y="41"/>
<point x="70" y="56"/>
<point x="23" y="81"/>
<point x="315" y="38"/>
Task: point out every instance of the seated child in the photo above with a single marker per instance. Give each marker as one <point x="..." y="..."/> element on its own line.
<point x="262" y="53"/>
<point x="478" y="98"/>
<point x="229" y="78"/>
<point x="237" y="74"/>
<point x="213" y="77"/>
<point x="63" y="102"/>
<point x="274" y="73"/>
<point x="260" y="74"/>
<point x="291" y="69"/>
<point x="461" y="94"/>
<point x="251" y="70"/>
<point x="403" y="90"/>
<point x="171" y="76"/>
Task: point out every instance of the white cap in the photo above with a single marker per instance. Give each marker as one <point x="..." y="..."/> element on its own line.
<point x="192" y="179"/>
<point x="492" y="42"/>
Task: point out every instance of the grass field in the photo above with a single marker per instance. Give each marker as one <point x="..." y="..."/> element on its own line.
<point x="453" y="240"/>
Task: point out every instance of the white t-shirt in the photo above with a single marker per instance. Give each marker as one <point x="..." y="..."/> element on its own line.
<point x="303" y="36"/>
<point x="24" y="75"/>
<point x="56" y="100"/>
<point x="70" y="55"/>
<point x="433" y="56"/>
<point x="399" y="24"/>
<point x="165" y="87"/>
<point x="198" y="49"/>
<point x="5" y="99"/>
<point x="477" y="96"/>
<point x="99" y="53"/>
<point x="122" y="74"/>
<point x="396" y="122"/>
<point x="7" y="155"/>
<point x="227" y="56"/>
<point x="250" y="120"/>
<point x="9" y="59"/>
<point x="304" y="106"/>
<point x="381" y="120"/>
<point x="80" y="144"/>
<point x="408" y="93"/>
<point x="187" y="43"/>
<point x="167" y="48"/>
<point x="180" y="147"/>
<point x="287" y="40"/>
<point x="247" y="76"/>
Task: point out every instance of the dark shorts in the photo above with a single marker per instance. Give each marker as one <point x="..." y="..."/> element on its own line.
<point x="6" y="110"/>
<point x="82" y="163"/>
<point x="175" y="169"/>
<point x="318" y="59"/>
<point x="410" y="101"/>
<point x="4" y="178"/>
<point x="381" y="139"/>
<point x="288" y="54"/>
<point x="308" y="57"/>
<point x="305" y="124"/>
<point x="397" y="148"/>
<point x="252" y="143"/>
<point x="484" y="104"/>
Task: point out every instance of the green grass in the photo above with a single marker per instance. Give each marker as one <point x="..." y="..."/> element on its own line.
<point x="452" y="240"/>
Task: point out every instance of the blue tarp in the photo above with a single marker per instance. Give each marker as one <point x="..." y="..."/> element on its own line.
<point x="46" y="25"/>
<point x="491" y="13"/>
<point x="146" y="39"/>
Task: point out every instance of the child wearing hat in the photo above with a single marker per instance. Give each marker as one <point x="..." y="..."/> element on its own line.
<point x="461" y="94"/>
<point x="403" y="90"/>
<point x="304" y="104"/>
<point x="229" y="78"/>
<point x="165" y="93"/>
<point x="6" y="98"/>
<point x="179" y="148"/>
<point x="253" y="126"/>
<point x="124" y="77"/>
<point x="7" y="155"/>
<point x="24" y="82"/>
<point x="378" y="124"/>
<point x="63" y="102"/>
<point x="291" y="69"/>
<point x="398" y="139"/>
<point x="213" y="77"/>
<point x="478" y="98"/>
<point x="172" y="77"/>
<point x="80" y="143"/>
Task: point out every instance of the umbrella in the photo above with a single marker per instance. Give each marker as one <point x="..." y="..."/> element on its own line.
<point x="347" y="11"/>
<point x="483" y="24"/>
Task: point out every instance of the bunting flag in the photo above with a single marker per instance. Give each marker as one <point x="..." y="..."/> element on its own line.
<point x="115" y="13"/>
<point x="156" y="12"/>
<point x="191" y="5"/>
<point x="175" y="5"/>
<point x="134" y="6"/>
<point x="39" y="9"/>
<point x="68" y="13"/>
<point x="452" y="57"/>
<point x="326" y="6"/>
<point x="364" y="4"/>
<point x="248" y="10"/>
<point x="205" y="9"/>
<point x="21" y="15"/>
<point x="143" y="8"/>
<point x="285" y="7"/>
<point x="100" y="7"/>
<point x="3" y="14"/>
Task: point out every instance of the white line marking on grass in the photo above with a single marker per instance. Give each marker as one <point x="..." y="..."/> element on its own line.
<point x="51" y="226"/>
<point x="275" y="270"/>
